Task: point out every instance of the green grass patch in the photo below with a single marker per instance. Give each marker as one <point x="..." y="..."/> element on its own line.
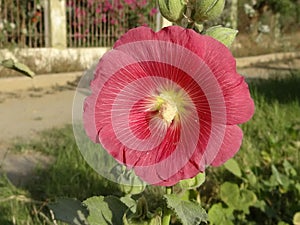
<point x="271" y="139"/>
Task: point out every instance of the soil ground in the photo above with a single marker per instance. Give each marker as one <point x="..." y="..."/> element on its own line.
<point x="24" y="113"/>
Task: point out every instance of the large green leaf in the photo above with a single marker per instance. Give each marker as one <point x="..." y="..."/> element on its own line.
<point x="105" y="210"/>
<point x="70" y="211"/>
<point x="219" y="215"/>
<point x="190" y="213"/>
<point x="236" y="198"/>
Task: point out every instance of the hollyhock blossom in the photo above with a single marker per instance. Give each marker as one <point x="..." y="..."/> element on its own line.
<point x="167" y="104"/>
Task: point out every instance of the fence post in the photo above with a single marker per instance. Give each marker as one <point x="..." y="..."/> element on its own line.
<point x="58" y="23"/>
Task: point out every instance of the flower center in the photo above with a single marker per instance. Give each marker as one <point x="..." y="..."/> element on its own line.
<point x="168" y="110"/>
<point x="166" y="105"/>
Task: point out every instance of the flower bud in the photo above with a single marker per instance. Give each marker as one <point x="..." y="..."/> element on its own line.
<point x="223" y="34"/>
<point x="207" y="9"/>
<point x="172" y="10"/>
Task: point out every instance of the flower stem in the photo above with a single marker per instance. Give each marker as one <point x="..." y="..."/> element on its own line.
<point x="167" y="212"/>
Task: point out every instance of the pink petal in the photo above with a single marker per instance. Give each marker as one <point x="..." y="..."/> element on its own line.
<point x="141" y="65"/>
<point x="231" y="144"/>
<point x="216" y="56"/>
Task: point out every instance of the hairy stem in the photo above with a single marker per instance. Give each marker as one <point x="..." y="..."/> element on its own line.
<point x="167" y="212"/>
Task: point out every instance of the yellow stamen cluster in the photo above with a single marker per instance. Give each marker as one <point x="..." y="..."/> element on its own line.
<point x="168" y="105"/>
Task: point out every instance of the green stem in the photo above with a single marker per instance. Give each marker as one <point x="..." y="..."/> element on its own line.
<point x="167" y="212"/>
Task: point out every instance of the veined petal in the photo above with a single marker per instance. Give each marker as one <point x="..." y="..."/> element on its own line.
<point x="174" y="69"/>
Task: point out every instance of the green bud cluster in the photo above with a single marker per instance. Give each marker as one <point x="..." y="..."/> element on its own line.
<point x="193" y="11"/>
<point x="207" y="9"/>
<point x="172" y="10"/>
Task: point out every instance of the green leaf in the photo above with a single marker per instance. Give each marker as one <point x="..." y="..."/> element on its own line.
<point x="282" y="223"/>
<point x="190" y="213"/>
<point x="296" y="218"/>
<point x="251" y="177"/>
<point x="105" y="210"/>
<point x="278" y="178"/>
<point x="142" y="216"/>
<point x="129" y="202"/>
<point x="236" y="198"/>
<point x="198" y="27"/>
<point x="289" y="169"/>
<point x="223" y="34"/>
<point x="193" y="182"/>
<point x="156" y="220"/>
<point x="125" y="176"/>
<point x="19" y="67"/>
<point x="219" y="215"/>
<point x="233" y="167"/>
<point x="70" y="211"/>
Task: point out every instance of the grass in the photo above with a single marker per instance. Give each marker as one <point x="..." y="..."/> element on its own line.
<point x="271" y="137"/>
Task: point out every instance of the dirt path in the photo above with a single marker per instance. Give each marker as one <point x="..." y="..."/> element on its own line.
<point x="23" y="114"/>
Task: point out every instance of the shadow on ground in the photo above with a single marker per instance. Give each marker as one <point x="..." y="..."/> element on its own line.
<point x="279" y="89"/>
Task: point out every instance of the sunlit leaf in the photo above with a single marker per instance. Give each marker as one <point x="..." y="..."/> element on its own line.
<point x="193" y="182"/>
<point x="236" y="198"/>
<point x="105" y="210"/>
<point x="19" y="67"/>
<point x="224" y="35"/>
<point x="70" y="211"/>
<point x="190" y="213"/>
<point x="232" y="166"/>
<point x="296" y="219"/>
<point x="219" y="215"/>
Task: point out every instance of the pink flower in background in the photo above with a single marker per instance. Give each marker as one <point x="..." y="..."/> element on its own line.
<point x="153" y="11"/>
<point x="129" y="2"/>
<point x="167" y="104"/>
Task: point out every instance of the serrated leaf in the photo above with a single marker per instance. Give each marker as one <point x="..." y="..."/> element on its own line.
<point x="193" y="182"/>
<point x="105" y="210"/>
<point x="233" y="167"/>
<point x="236" y="198"/>
<point x="70" y="211"/>
<point x="223" y="34"/>
<point x="219" y="215"/>
<point x="190" y="213"/>
<point x="19" y="67"/>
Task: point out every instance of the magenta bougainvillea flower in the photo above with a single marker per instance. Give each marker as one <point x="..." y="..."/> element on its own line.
<point x="167" y="104"/>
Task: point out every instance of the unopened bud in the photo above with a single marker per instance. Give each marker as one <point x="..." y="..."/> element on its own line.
<point x="207" y="9"/>
<point x="172" y="10"/>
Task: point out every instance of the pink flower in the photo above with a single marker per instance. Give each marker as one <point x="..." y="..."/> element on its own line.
<point x="153" y="11"/>
<point x="167" y="104"/>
